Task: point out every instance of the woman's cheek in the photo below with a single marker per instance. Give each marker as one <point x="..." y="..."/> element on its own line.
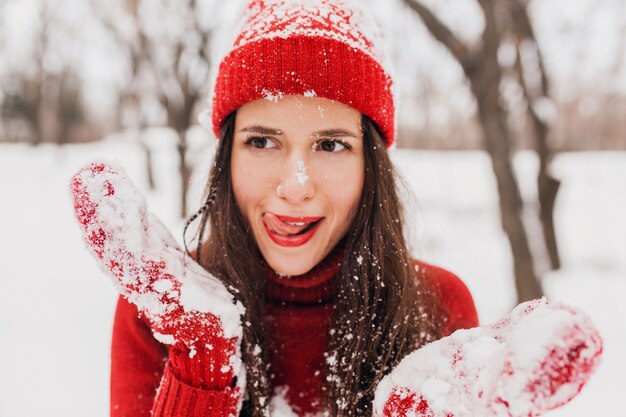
<point x="343" y="184"/>
<point x="251" y="184"/>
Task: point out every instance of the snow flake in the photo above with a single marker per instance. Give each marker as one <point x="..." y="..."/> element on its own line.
<point x="162" y="286"/>
<point x="332" y="360"/>
<point x="272" y="96"/>
<point x="167" y="339"/>
<point x="301" y="175"/>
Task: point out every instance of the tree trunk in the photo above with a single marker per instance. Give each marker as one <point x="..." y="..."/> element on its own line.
<point x="496" y="141"/>
<point x="185" y="172"/>
<point x="548" y="190"/>
<point x="148" y="155"/>
<point x="36" y="113"/>
<point x="485" y="74"/>
<point x="547" y="185"/>
<point x="179" y="118"/>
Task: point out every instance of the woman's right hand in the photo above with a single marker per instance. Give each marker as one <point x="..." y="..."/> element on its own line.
<point x="187" y="307"/>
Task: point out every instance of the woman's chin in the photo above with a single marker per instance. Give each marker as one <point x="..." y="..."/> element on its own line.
<point x="291" y="267"/>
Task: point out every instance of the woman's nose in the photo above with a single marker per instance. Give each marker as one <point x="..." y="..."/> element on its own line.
<point x="296" y="186"/>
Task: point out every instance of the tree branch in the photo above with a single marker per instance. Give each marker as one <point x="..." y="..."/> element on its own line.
<point x="441" y="32"/>
<point x="523" y="29"/>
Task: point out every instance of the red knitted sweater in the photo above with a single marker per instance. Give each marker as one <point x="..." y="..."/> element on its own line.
<point x="297" y="318"/>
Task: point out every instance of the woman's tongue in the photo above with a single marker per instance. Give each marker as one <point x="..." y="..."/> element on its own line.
<point x="282" y="228"/>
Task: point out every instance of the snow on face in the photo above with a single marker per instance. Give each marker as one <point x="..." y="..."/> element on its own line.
<point x="301" y="176"/>
<point x="290" y="175"/>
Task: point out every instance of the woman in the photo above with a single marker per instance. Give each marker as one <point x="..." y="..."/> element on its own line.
<point x="303" y="226"/>
<point x="310" y="284"/>
<point x="303" y="223"/>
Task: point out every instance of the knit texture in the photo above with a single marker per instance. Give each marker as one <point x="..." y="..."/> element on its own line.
<point x="178" y="399"/>
<point x="297" y="323"/>
<point x="208" y="367"/>
<point x="297" y="318"/>
<point x="312" y="48"/>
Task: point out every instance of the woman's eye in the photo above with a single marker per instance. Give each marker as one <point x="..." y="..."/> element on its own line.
<point x="331" y="146"/>
<point x="261" y="143"/>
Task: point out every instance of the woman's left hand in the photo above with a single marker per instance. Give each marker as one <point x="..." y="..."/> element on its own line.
<point x="535" y="359"/>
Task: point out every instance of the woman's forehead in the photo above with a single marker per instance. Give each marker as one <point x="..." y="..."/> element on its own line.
<point x="295" y="112"/>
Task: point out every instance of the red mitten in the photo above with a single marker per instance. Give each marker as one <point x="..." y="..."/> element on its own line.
<point x="534" y="360"/>
<point x="186" y="306"/>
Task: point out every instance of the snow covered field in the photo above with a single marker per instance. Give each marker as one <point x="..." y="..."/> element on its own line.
<point x="56" y="306"/>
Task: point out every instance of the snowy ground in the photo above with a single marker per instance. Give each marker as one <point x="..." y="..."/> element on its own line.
<point x="56" y="307"/>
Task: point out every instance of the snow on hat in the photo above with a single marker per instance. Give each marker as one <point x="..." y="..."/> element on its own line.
<point x="321" y="48"/>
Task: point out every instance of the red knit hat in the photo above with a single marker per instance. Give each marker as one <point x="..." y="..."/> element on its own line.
<point x="324" y="48"/>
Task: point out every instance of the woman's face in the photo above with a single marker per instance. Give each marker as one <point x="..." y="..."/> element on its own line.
<point x="297" y="169"/>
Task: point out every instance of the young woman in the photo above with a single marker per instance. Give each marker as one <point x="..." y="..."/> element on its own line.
<point x="303" y="224"/>
<point x="304" y="298"/>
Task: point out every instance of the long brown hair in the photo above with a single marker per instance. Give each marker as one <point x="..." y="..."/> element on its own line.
<point x="378" y="318"/>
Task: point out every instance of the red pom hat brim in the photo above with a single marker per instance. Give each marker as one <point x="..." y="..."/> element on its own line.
<point x="304" y="65"/>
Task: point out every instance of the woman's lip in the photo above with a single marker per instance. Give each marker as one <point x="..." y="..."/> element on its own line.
<point x="292" y="241"/>
<point x="296" y="219"/>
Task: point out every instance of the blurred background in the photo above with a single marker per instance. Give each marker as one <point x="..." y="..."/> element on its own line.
<point x="511" y="145"/>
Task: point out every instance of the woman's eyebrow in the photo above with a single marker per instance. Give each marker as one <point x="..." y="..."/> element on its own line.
<point x="262" y="130"/>
<point x="335" y="133"/>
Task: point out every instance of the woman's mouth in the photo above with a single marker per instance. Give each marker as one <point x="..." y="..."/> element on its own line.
<point x="290" y="231"/>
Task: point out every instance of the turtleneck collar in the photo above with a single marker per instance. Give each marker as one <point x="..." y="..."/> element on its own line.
<point x="316" y="287"/>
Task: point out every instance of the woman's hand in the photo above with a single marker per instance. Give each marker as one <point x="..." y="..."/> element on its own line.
<point x="535" y="359"/>
<point x="187" y="307"/>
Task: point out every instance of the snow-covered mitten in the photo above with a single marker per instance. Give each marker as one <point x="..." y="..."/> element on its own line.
<point x="186" y="306"/>
<point x="535" y="359"/>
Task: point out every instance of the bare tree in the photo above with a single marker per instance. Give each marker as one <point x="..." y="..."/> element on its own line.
<point x="178" y="62"/>
<point x="535" y="85"/>
<point x="48" y="104"/>
<point x="131" y="112"/>
<point x="184" y="77"/>
<point x="69" y="108"/>
<point x="35" y="85"/>
<point x="481" y="67"/>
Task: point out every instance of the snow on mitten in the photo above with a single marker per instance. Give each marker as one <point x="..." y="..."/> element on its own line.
<point x="186" y="306"/>
<point x="535" y="359"/>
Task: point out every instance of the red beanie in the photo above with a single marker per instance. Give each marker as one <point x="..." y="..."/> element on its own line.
<point x="320" y="48"/>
